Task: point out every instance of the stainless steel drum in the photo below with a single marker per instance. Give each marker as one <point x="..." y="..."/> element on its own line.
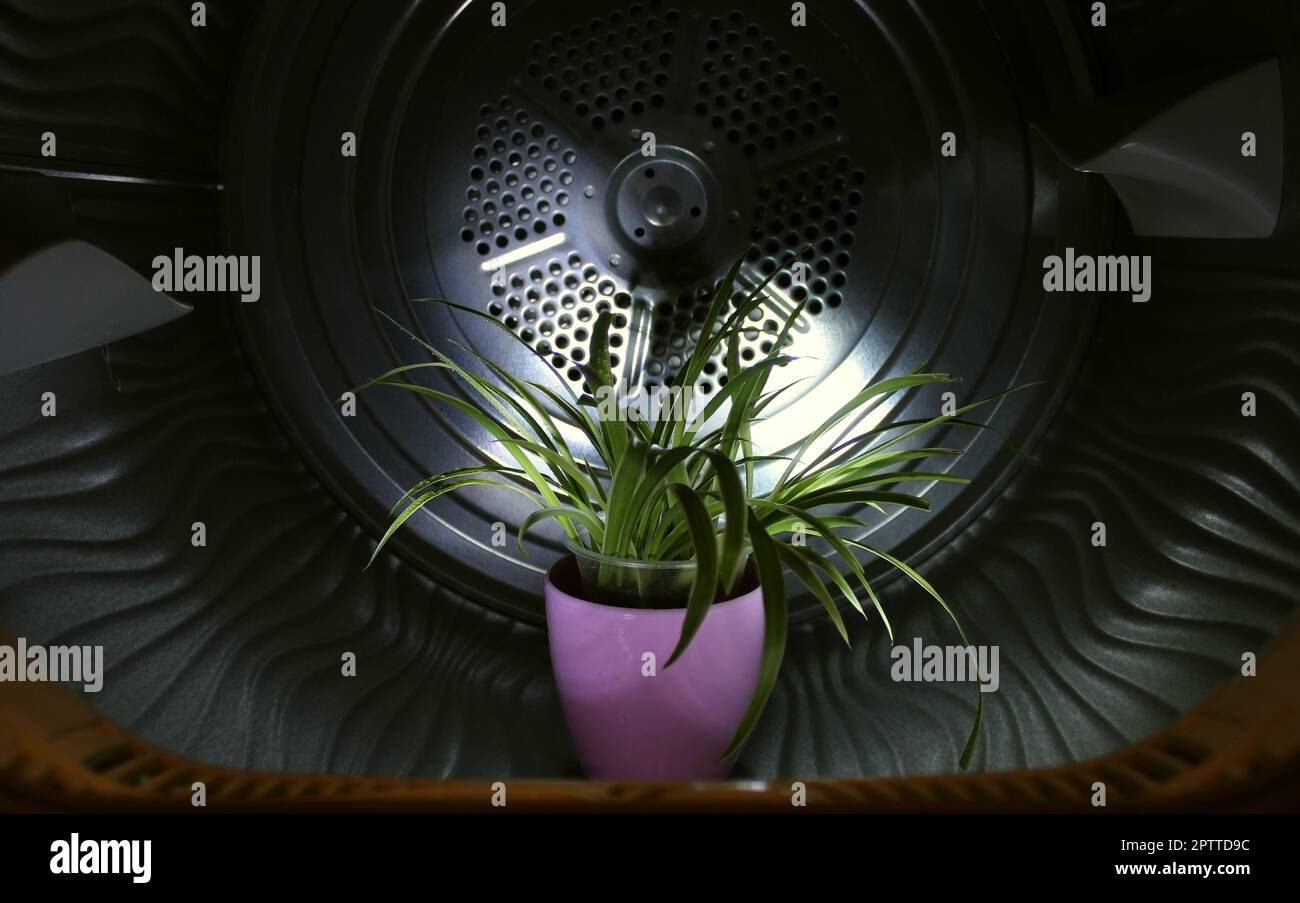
<point x="589" y="157"/>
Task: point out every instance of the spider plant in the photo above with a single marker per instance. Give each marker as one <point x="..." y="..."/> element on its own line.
<point x="683" y="488"/>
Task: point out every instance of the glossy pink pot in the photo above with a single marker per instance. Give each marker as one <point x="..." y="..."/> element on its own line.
<point x="630" y="717"/>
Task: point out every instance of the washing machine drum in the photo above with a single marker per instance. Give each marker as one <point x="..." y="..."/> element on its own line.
<point x="894" y="167"/>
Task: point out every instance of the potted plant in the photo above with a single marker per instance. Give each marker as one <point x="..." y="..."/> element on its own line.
<point x="667" y="624"/>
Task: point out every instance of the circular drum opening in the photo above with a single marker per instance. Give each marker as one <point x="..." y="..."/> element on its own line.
<point x="577" y="168"/>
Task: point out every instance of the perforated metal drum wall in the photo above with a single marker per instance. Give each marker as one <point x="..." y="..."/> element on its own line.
<point x="525" y="188"/>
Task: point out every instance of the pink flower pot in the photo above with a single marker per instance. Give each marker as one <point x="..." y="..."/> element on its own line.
<point x="630" y="717"/>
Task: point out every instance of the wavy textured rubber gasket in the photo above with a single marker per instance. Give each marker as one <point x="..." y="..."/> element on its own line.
<point x="230" y="653"/>
<point x="1237" y="751"/>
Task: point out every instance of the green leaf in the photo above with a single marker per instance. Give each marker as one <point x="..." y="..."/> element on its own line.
<point x="860" y="465"/>
<point x="501" y="433"/>
<point x="653" y="480"/>
<point x="703" y="350"/>
<point x="851" y="497"/>
<point x="925" y="585"/>
<point x="822" y="529"/>
<point x="586" y="487"/>
<point x="703" y="587"/>
<point x="772" y="581"/>
<point x="754" y="301"/>
<point x="478" y="470"/>
<point x="600" y="366"/>
<point x="801" y="569"/>
<point x="556" y="512"/>
<point x="866" y="400"/>
<point x="734" y="512"/>
<point x="515" y="337"/>
<point x="817" y="561"/>
<point x="628" y="475"/>
<point x="580" y="419"/>
<point x="953" y="418"/>
<point x="734" y="389"/>
<point x="424" y="499"/>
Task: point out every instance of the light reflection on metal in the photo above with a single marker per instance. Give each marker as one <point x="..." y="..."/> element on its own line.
<point x="523" y="252"/>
